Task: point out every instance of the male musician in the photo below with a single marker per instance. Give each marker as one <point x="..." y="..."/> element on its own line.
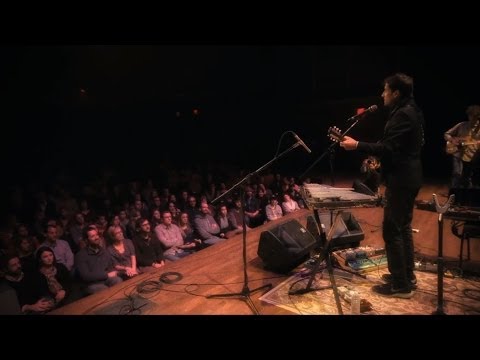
<point x="399" y="151"/>
<point x="462" y="145"/>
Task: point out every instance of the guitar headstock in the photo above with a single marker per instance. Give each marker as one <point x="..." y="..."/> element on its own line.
<point x="335" y="134"/>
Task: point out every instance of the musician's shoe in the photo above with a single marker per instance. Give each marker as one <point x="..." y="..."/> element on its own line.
<point x="389" y="291"/>
<point x="388" y="278"/>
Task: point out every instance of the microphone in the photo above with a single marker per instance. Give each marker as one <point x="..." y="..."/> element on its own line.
<point x="300" y="141"/>
<point x="372" y="108"/>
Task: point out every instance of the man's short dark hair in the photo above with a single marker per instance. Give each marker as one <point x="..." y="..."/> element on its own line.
<point x="401" y="82"/>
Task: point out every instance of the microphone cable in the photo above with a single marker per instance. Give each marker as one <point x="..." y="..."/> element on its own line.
<point x="170" y="277"/>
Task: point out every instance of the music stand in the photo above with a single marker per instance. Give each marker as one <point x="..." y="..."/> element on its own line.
<point x="245" y="293"/>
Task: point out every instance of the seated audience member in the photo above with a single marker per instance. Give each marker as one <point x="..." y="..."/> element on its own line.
<point x="156" y="218"/>
<point x="87" y="213"/>
<point x="206" y="226"/>
<point x="296" y="195"/>
<point x="132" y="223"/>
<point x="95" y="265"/>
<point x="263" y="201"/>
<point x="235" y="214"/>
<point x="63" y="253"/>
<point x="213" y="210"/>
<point x="191" y="208"/>
<point x="141" y="207"/>
<point x="225" y="222"/>
<point x="253" y="214"/>
<point x="26" y="254"/>
<point x="56" y="278"/>
<point x="289" y="205"/>
<point x="273" y="210"/>
<point x="115" y="221"/>
<point x="122" y="252"/>
<point x="102" y="226"/>
<point x="187" y="230"/>
<point x="22" y="232"/>
<point x="147" y="247"/>
<point x="211" y="192"/>
<point x="32" y="297"/>
<point x="171" y="238"/>
<point x="172" y="207"/>
<point x="183" y="201"/>
<point x="76" y="230"/>
<point x="124" y="220"/>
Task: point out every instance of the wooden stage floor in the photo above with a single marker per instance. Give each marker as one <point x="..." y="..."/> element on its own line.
<point x="219" y="269"/>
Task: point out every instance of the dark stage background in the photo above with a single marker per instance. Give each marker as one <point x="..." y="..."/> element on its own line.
<point x="77" y="108"/>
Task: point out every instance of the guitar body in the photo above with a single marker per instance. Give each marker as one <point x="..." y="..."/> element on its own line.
<point x="451" y="148"/>
<point x="469" y="152"/>
<point x="467" y="146"/>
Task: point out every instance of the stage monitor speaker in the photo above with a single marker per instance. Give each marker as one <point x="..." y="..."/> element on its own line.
<point x="347" y="232"/>
<point x="285" y="246"/>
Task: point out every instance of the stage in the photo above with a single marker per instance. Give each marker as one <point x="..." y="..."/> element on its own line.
<point x="219" y="269"/>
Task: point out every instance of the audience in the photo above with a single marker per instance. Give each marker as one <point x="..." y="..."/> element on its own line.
<point x="41" y="266"/>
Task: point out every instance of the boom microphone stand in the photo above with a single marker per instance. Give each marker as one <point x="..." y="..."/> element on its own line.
<point x="330" y="150"/>
<point x="245" y="293"/>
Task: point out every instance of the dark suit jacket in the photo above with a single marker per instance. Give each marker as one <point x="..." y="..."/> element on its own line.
<point x="400" y="148"/>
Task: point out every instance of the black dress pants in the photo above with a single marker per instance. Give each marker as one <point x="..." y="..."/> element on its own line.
<point x="397" y="234"/>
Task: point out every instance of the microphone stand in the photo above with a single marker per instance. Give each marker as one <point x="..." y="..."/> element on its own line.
<point x="326" y="238"/>
<point x="330" y="150"/>
<point x="441" y="210"/>
<point x="246" y="292"/>
<point x="331" y="161"/>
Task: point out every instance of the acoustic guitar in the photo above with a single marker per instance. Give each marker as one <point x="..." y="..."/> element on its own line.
<point x="335" y="134"/>
<point x="467" y="146"/>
